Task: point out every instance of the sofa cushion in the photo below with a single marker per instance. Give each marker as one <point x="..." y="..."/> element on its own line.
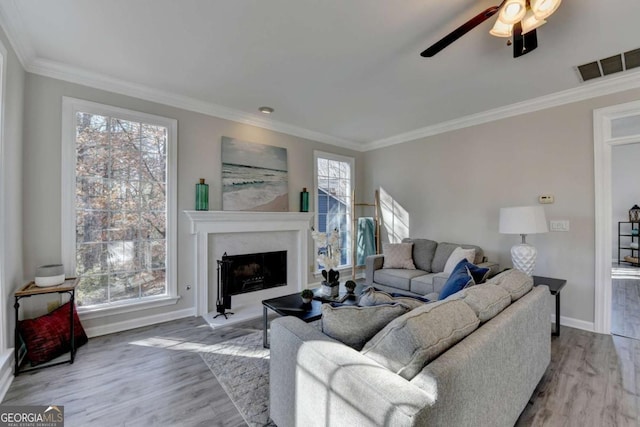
<point x="458" y="255"/>
<point x="414" y="339"/>
<point x="371" y="296"/>
<point x="460" y="278"/>
<point x="443" y="251"/>
<point x="396" y="277"/>
<point x="422" y="284"/>
<point x="398" y="255"/>
<point x="354" y="326"/>
<point x="423" y="252"/>
<point x="513" y="281"/>
<point x="485" y="300"/>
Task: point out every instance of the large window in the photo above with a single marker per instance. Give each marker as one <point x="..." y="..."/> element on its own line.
<point x="119" y="200"/>
<point x="334" y="190"/>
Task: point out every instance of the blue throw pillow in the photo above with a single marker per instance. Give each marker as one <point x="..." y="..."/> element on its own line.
<point x="479" y="274"/>
<point x="459" y="279"/>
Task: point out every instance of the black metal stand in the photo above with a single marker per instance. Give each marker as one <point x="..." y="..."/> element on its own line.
<point x="222" y="302"/>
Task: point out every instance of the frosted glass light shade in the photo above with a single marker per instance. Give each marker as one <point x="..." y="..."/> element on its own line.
<point x="544" y="8"/>
<point x="523" y="220"/>
<point x="500" y="29"/>
<point x="512" y="11"/>
<point x="531" y="22"/>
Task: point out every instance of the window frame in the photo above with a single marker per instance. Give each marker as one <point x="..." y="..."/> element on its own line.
<point x="352" y="166"/>
<point x="70" y="107"/>
<point x="3" y="279"/>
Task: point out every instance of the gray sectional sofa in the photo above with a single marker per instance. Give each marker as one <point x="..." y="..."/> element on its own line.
<point x="429" y="258"/>
<point x="486" y="378"/>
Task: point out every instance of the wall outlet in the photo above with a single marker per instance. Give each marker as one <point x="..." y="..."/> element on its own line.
<point x="546" y="199"/>
<point x="559" y="225"/>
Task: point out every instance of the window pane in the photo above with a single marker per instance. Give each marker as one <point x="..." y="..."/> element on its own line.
<point x="334" y="202"/>
<point x="121" y="202"/>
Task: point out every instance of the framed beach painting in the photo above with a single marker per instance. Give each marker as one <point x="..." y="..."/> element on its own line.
<point x="254" y="177"/>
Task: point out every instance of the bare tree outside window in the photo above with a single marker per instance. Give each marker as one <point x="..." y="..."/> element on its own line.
<point x="121" y="209"/>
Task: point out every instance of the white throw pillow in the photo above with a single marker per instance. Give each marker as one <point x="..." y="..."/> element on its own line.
<point x="398" y="255"/>
<point x="458" y="255"/>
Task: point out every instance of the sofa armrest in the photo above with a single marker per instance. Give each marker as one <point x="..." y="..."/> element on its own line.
<point x="318" y="381"/>
<point x="372" y="263"/>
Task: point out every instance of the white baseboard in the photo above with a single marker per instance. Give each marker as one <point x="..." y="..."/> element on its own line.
<point x="6" y="372"/>
<point x="574" y="323"/>
<point x="111" y="328"/>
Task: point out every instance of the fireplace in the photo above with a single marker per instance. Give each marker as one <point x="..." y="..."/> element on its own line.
<point x="253" y="272"/>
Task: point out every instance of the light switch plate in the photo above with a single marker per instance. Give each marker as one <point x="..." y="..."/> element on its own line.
<point x="559" y="225"/>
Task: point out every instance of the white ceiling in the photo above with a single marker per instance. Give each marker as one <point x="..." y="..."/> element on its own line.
<point x="344" y="72"/>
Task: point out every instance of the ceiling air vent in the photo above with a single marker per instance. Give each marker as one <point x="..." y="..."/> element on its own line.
<point x="589" y="71"/>
<point x="610" y="65"/>
<point x="632" y="59"/>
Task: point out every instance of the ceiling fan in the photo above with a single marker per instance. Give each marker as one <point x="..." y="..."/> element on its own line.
<point x="517" y="18"/>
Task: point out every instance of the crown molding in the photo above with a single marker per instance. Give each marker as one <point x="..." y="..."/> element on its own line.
<point x="609" y="85"/>
<point x="64" y="72"/>
<point x="11" y="22"/>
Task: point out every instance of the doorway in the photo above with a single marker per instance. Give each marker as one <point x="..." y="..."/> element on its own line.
<point x="625" y="269"/>
<point x="618" y="125"/>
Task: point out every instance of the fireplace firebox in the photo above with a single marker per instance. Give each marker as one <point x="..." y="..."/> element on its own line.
<point x="254" y="272"/>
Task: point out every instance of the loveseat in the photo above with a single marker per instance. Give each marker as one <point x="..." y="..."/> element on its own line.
<point x="428" y="277"/>
<point x="484" y="379"/>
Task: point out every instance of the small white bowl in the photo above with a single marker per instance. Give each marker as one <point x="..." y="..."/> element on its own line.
<point x="44" y="282"/>
<point x="49" y="275"/>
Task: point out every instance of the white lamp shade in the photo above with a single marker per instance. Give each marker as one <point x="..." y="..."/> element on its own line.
<point x="523" y="220"/>
<point x="544" y="8"/>
<point x="500" y="29"/>
<point x="512" y="11"/>
<point x="531" y="22"/>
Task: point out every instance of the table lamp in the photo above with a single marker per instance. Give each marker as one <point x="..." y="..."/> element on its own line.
<point x="523" y="220"/>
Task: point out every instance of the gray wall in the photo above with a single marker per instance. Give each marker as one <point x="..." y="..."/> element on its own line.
<point x="453" y="185"/>
<point x="625" y="190"/>
<point x="198" y="157"/>
<point x="11" y="170"/>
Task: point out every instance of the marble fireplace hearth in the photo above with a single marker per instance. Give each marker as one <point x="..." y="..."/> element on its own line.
<point x="236" y="233"/>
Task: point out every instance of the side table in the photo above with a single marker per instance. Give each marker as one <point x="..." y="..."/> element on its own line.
<point x="29" y="290"/>
<point x="555" y="286"/>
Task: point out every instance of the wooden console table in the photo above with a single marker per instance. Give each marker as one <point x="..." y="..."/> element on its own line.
<point x="29" y="290"/>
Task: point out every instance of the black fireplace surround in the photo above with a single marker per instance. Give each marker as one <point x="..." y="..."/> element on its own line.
<point x="253" y="272"/>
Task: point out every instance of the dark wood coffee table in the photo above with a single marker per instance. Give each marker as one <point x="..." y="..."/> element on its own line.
<point x="291" y="305"/>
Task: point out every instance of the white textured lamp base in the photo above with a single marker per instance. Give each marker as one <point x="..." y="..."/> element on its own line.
<point x="523" y="257"/>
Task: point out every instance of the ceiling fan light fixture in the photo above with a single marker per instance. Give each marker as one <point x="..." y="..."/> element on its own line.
<point x="531" y="22"/>
<point x="544" y="8"/>
<point x="513" y="11"/>
<point x="500" y="29"/>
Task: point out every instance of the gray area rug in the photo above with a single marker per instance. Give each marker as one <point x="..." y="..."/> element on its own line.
<point x="241" y="366"/>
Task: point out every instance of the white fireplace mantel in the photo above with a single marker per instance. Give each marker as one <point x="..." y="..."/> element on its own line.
<point x="205" y="223"/>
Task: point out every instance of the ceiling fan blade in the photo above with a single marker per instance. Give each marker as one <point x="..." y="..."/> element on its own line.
<point x="523" y="43"/>
<point x="460" y="31"/>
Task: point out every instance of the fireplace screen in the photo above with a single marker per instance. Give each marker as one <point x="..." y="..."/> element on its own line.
<point x="254" y="272"/>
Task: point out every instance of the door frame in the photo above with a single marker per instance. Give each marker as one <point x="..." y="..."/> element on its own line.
<point x="603" y="142"/>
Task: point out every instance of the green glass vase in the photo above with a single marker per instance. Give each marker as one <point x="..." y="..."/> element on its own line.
<point x="202" y="196"/>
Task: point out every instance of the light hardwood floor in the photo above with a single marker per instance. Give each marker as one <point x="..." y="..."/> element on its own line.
<point x="625" y="301"/>
<point x="154" y="376"/>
